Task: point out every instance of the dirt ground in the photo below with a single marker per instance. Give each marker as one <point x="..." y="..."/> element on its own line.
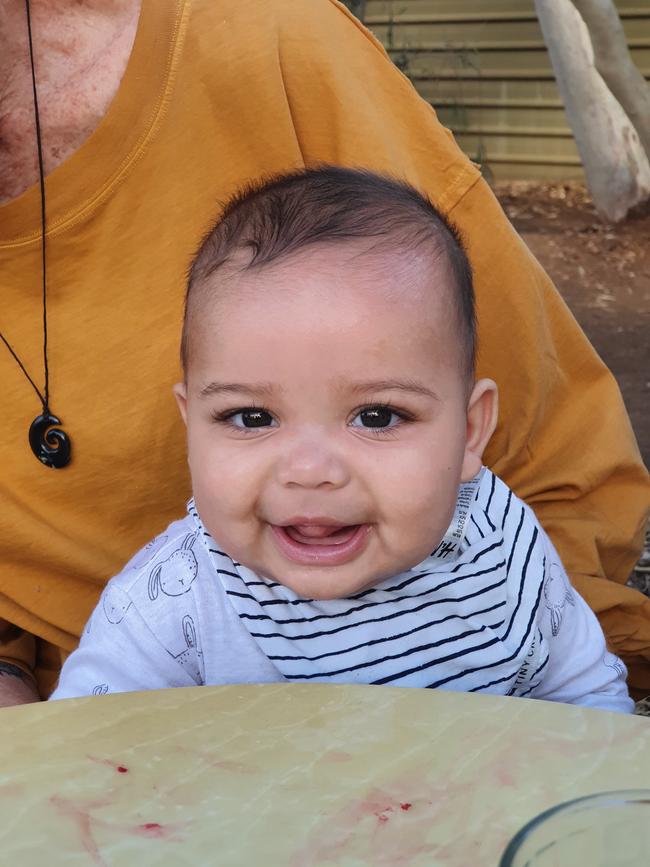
<point x="603" y="273"/>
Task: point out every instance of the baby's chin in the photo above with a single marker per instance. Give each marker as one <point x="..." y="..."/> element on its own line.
<point x="322" y="583"/>
<point x="326" y="589"/>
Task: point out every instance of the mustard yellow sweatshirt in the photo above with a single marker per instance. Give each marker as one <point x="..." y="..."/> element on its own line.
<point x="217" y="93"/>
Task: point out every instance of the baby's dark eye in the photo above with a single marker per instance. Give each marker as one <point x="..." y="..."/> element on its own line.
<point x="251" y="418"/>
<point x="376" y="417"/>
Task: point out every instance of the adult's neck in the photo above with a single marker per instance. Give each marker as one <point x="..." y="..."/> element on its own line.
<point x="81" y="49"/>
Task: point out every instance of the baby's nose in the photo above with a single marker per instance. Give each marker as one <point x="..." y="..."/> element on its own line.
<point x="311" y="462"/>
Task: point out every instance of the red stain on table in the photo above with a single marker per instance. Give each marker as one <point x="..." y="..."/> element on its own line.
<point x="386" y="827"/>
<point x="504" y="777"/>
<point x="121" y="769"/>
<point x="153" y="830"/>
<point x="82" y="816"/>
<point x="336" y="756"/>
<point x="82" y="819"/>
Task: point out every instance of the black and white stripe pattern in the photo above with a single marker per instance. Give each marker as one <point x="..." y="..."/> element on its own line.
<point x="468" y="624"/>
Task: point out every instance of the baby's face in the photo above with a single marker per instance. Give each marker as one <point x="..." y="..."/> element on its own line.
<point x="327" y="417"/>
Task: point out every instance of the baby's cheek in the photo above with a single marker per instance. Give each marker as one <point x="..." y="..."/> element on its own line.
<point x="211" y="461"/>
<point x="427" y="511"/>
<point x="233" y="492"/>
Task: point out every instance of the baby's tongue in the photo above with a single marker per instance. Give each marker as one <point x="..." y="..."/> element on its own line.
<point x="314" y="533"/>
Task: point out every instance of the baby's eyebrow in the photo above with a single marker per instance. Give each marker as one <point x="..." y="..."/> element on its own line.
<point x="262" y="389"/>
<point x="268" y="390"/>
<point x="409" y="385"/>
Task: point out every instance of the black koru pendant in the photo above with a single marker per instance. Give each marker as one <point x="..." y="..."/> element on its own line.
<point x="50" y="445"/>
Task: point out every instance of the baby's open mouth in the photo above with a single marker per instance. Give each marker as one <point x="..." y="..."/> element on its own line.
<point x="321" y="544"/>
<point x="314" y="534"/>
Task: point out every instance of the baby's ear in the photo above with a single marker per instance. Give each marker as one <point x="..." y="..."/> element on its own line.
<point x="180" y="393"/>
<point x="482" y="413"/>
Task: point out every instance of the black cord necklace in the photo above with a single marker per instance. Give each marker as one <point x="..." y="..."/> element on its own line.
<point x="50" y="444"/>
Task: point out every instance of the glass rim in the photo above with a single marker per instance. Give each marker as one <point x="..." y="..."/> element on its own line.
<point x="613" y="797"/>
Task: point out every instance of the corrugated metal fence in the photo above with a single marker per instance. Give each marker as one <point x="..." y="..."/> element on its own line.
<point x="483" y="66"/>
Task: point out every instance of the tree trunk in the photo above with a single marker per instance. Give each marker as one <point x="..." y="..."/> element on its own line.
<point x="614" y="63"/>
<point x="614" y="160"/>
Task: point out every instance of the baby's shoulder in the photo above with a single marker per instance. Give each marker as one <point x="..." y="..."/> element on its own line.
<point x="168" y="561"/>
<point x="160" y="580"/>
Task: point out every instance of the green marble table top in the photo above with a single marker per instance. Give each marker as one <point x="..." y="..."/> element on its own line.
<point x="297" y="775"/>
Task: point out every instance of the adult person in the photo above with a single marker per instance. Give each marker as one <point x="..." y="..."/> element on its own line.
<point x="150" y="114"/>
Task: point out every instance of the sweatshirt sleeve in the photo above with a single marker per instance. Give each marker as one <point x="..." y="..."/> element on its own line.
<point x="580" y="669"/>
<point x="564" y="442"/>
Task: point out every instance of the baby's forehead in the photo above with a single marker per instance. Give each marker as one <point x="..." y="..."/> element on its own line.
<point x="375" y="271"/>
<point x="340" y="297"/>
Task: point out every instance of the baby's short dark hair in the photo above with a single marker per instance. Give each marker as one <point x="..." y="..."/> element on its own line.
<point x="274" y="219"/>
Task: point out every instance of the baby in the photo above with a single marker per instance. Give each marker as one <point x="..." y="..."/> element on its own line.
<point x="342" y="527"/>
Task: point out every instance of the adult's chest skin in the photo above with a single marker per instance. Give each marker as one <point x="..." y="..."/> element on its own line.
<point x="81" y="50"/>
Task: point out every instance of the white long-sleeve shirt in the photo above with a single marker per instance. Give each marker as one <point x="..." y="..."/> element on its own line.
<point x="490" y="610"/>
